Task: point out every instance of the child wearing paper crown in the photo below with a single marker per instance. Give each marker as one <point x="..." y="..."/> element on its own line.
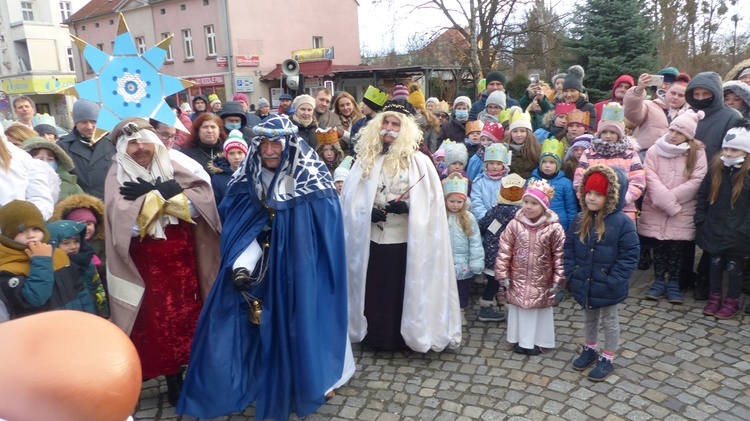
<point x="473" y="133"/>
<point x="601" y="253"/>
<point x="491" y="226"/>
<point x="34" y="277"/>
<point x="328" y="149"/>
<point x="529" y="265"/>
<point x="611" y="147"/>
<point x="491" y="133"/>
<point x="456" y="158"/>
<point x="69" y="236"/>
<point x="487" y="184"/>
<point x="577" y="124"/>
<point x="468" y="254"/>
<point x="564" y="202"/>
<point x="554" y="123"/>
<point x="675" y="167"/>
<point x="722" y="219"/>
<point x="224" y="165"/>
<point x="523" y="145"/>
<point x="573" y="155"/>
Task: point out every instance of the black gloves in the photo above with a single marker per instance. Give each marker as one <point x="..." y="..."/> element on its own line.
<point x="397" y="207"/>
<point x="241" y="279"/>
<point x="377" y="216"/>
<point x="169" y="188"/>
<point x="132" y="190"/>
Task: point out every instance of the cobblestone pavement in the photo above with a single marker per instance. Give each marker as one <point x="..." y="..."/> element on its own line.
<point x="673" y="364"/>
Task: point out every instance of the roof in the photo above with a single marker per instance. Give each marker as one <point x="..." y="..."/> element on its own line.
<point x="96" y="8"/>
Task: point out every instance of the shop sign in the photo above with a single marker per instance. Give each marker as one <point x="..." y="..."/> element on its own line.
<point x="248" y="61"/>
<point x="206" y="80"/>
<point x="37" y="84"/>
<point x="221" y="61"/>
<point x="313" y="54"/>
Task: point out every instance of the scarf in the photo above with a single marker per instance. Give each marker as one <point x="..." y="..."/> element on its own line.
<point x="129" y="170"/>
<point x="18" y="262"/>
<point x="516" y="147"/>
<point x="496" y="175"/>
<point x="732" y="162"/>
<point x="304" y="123"/>
<point x="668" y="150"/>
<point x="609" y="149"/>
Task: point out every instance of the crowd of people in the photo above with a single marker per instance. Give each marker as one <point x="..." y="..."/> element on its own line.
<point x="255" y="246"/>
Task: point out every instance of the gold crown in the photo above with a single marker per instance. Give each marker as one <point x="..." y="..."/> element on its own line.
<point x="474" y="126"/>
<point x="327" y="136"/>
<point x="543" y="186"/>
<point x="579" y="117"/>
<point x="553" y="146"/>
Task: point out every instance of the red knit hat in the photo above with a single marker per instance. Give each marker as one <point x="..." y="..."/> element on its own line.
<point x="597" y="182"/>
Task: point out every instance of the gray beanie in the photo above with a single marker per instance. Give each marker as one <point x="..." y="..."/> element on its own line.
<point x="557" y="76"/>
<point x="455" y="152"/>
<point x="497" y="98"/>
<point x="84" y="109"/>
<point x="262" y="102"/>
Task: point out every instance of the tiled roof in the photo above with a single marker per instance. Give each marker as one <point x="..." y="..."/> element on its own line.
<point x="95" y="8"/>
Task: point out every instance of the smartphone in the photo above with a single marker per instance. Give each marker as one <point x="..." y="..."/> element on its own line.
<point x="657" y="80"/>
<point x="534" y="78"/>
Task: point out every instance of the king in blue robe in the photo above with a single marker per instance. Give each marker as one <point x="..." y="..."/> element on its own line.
<point x="287" y="362"/>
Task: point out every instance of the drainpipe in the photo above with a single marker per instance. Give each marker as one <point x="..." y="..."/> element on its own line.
<point x="230" y="62"/>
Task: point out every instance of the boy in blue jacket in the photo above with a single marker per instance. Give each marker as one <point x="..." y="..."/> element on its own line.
<point x="564" y="203"/>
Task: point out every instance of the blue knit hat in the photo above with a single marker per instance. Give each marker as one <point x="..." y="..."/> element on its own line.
<point x="84" y="109"/>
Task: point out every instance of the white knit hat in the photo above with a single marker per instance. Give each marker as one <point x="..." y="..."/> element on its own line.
<point x="737" y="138"/>
<point x="462" y="100"/>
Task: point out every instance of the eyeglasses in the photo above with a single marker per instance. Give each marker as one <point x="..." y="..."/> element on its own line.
<point x="167" y="136"/>
<point x="443" y="116"/>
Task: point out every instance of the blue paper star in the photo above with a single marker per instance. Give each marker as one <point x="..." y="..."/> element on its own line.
<point x="128" y="84"/>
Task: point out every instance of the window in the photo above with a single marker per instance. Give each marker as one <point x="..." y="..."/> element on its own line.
<point x="65" y="11"/>
<point x="183" y="7"/>
<point x="111" y="21"/>
<point x="71" y="63"/>
<point x="100" y="46"/>
<point x="210" y="40"/>
<point x="187" y="43"/>
<point x="141" y="43"/>
<point x="27" y="8"/>
<point x="96" y="25"/>
<point x="163" y="11"/>
<point x="83" y="27"/>
<point x="206" y="2"/>
<point x="170" y="57"/>
<point x="317" y="42"/>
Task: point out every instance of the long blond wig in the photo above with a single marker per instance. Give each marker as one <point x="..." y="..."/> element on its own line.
<point x="370" y="145"/>
<point x="5" y="156"/>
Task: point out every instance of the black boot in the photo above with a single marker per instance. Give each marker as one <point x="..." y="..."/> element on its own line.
<point x="701" y="289"/>
<point x="174" y="386"/>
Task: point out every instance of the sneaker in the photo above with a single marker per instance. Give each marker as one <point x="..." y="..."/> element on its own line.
<point x="588" y="356"/>
<point x="488" y="314"/>
<point x="603" y="369"/>
<point x="464" y="322"/>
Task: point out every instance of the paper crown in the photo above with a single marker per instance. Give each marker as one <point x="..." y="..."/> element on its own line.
<point x="474" y="126"/>
<point x="497" y="152"/>
<point x="455" y="184"/>
<point x="511" y="189"/>
<point x="543" y="186"/>
<point x="347" y="163"/>
<point x="327" y="136"/>
<point x="579" y="117"/>
<point x="520" y="119"/>
<point x="503" y="116"/>
<point x="613" y="112"/>
<point x="564" y="108"/>
<point x="376" y="96"/>
<point x="553" y="146"/>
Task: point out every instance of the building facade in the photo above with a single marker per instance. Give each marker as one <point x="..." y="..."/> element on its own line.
<point x="224" y="46"/>
<point x="37" y="56"/>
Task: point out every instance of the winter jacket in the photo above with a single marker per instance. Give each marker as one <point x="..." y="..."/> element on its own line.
<point x="452" y="130"/>
<point x="547" y="130"/>
<point x="651" y="117"/>
<point x="721" y="228"/>
<point x="503" y="214"/>
<point x="356" y="128"/>
<point x="598" y="272"/>
<point x="599" y="106"/>
<point x="91" y="163"/>
<point x="481" y="104"/>
<point x="329" y="119"/>
<point x="520" y="165"/>
<point x="484" y="191"/>
<point x="468" y="254"/>
<point x="63" y="208"/>
<point x="203" y="154"/>
<point x="26" y="179"/>
<point x="627" y="161"/>
<point x="307" y="133"/>
<point x="68" y="186"/>
<point x="668" y="208"/>
<point x="196" y="113"/>
<point x="719" y="117"/>
<point x="475" y="166"/>
<point x="221" y="173"/>
<point x="537" y="118"/>
<point x="42" y="289"/>
<point x="564" y="203"/>
<point x="531" y="256"/>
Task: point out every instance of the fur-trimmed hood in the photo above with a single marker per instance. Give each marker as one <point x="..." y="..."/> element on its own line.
<point x="219" y="165"/>
<point x="39" y="143"/>
<point x="734" y="74"/>
<point x="76" y="201"/>
<point x="740" y="89"/>
<point x="616" y="189"/>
